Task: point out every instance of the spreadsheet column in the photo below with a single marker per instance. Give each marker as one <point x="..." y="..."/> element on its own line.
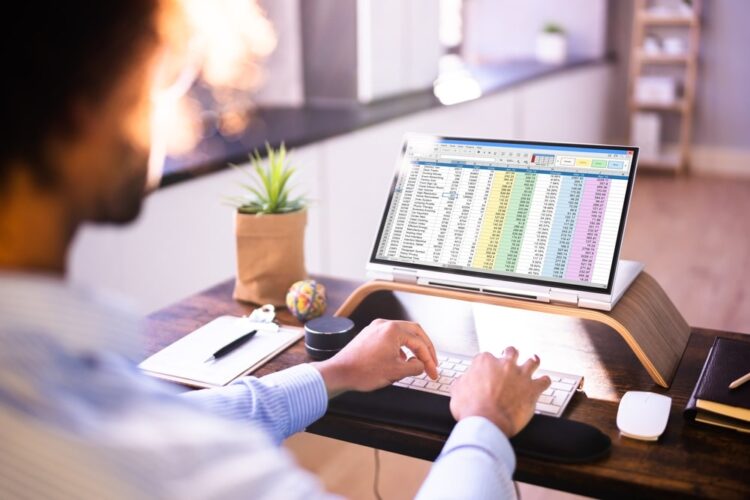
<point x="478" y="203"/>
<point x="515" y="222"/>
<point x="563" y="225"/>
<point x="464" y="230"/>
<point x="402" y="210"/>
<point x="492" y="225"/>
<point x="585" y="239"/>
<point x="449" y="216"/>
<point x="538" y="225"/>
<point x="610" y="228"/>
<point x="422" y="213"/>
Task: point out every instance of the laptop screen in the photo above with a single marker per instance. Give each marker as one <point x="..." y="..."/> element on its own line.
<point x="520" y="211"/>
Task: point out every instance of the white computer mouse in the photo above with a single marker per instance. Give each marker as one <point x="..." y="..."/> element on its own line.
<point x="643" y="415"/>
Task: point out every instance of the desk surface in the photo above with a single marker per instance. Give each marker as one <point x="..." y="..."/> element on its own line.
<point x="687" y="461"/>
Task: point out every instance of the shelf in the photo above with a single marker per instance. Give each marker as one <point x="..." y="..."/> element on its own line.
<point x="678" y="106"/>
<point x="654" y="17"/>
<point x="669" y="159"/>
<point x="656" y="20"/>
<point x="663" y="59"/>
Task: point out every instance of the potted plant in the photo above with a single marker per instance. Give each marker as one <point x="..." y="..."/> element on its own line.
<point x="552" y="44"/>
<point x="270" y="230"/>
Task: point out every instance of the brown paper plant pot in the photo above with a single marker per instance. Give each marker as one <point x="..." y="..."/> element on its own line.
<point x="270" y="255"/>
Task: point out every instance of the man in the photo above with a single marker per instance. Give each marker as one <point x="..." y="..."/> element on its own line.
<point x="77" y="419"/>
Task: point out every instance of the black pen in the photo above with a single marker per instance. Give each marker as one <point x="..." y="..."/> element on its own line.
<point x="233" y="345"/>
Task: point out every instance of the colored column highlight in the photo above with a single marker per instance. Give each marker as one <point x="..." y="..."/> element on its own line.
<point x="492" y="225"/>
<point x="515" y="223"/>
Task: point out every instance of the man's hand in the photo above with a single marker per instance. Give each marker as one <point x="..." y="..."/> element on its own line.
<point x="499" y="390"/>
<point x="374" y="359"/>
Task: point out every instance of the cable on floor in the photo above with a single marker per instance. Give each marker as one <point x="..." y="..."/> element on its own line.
<point x="376" y="479"/>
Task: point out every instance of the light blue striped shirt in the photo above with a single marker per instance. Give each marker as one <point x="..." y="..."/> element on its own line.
<point x="78" y="420"/>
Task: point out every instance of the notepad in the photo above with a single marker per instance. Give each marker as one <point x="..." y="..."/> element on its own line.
<point x="712" y="401"/>
<point x="184" y="361"/>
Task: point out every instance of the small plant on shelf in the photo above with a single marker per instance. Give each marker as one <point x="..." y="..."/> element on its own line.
<point x="551" y="44"/>
<point x="553" y="28"/>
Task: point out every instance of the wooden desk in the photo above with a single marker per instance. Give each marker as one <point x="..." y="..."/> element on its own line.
<point x="687" y="461"/>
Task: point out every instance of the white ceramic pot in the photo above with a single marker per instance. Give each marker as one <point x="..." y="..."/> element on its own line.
<point x="551" y="48"/>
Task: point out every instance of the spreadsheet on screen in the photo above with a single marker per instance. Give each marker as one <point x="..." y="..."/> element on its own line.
<point x="552" y="212"/>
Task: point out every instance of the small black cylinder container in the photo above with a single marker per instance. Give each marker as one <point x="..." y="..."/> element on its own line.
<point x="327" y="335"/>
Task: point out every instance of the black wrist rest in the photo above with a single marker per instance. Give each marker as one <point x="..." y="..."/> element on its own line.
<point x="547" y="438"/>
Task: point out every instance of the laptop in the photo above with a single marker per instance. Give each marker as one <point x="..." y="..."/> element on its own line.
<point x="540" y="221"/>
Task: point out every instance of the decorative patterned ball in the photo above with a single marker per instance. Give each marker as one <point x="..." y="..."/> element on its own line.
<point x="306" y="299"/>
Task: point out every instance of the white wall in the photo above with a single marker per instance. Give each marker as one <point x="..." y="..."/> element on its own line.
<point x="499" y="30"/>
<point x="183" y="241"/>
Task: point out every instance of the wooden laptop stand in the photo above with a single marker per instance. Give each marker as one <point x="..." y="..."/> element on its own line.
<point x="645" y="317"/>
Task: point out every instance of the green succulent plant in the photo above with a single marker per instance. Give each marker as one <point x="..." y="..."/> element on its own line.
<point x="268" y="191"/>
<point x="553" y="28"/>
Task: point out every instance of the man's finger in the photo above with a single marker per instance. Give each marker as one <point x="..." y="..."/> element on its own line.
<point x="412" y="367"/>
<point x="541" y="384"/>
<point x="417" y="329"/>
<point x="510" y="353"/>
<point x="419" y="347"/>
<point x="530" y="365"/>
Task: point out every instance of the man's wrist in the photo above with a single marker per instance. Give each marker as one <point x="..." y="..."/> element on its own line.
<point x="500" y="419"/>
<point x="335" y="377"/>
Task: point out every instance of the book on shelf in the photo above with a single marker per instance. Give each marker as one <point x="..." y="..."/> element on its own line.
<point x="712" y="401"/>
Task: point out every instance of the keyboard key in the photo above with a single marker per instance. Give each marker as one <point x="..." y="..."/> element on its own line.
<point x="448" y="373"/>
<point x="545" y="399"/>
<point x="445" y="388"/>
<point x="570" y="381"/>
<point x="445" y="380"/>
<point x="559" y="400"/>
<point x="460" y="368"/>
<point x="447" y="366"/>
<point x="422" y="375"/>
<point x="433" y="386"/>
<point x="419" y="383"/>
<point x="466" y="362"/>
<point x="548" y="392"/>
<point x="407" y="380"/>
<point x="562" y="386"/>
<point x="453" y="360"/>
<point x="548" y="409"/>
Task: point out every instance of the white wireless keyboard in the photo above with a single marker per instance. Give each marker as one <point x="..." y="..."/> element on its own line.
<point x="552" y="402"/>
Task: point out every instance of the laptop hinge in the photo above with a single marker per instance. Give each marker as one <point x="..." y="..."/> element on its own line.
<point x="563" y="297"/>
<point x="405" y="275"/>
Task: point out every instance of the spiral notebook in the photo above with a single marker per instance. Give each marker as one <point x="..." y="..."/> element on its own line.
<point x="184" y="361"/>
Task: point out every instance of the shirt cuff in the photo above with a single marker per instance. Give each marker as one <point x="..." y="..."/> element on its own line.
<point x="478" y="432"/>
<point x="305" y="393"/>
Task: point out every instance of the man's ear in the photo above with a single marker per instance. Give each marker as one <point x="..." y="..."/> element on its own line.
<point x="67" y="144"/>
<point x="81" y="118"/>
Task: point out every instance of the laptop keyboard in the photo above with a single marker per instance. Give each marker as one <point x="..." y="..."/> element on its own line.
<point x="552" y="402"/>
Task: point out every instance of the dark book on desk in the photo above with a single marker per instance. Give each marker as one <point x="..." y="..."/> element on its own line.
<point x="712" y="401"/>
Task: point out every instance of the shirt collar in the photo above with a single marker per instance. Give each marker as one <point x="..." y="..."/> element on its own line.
<point x="81" y="319"/>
